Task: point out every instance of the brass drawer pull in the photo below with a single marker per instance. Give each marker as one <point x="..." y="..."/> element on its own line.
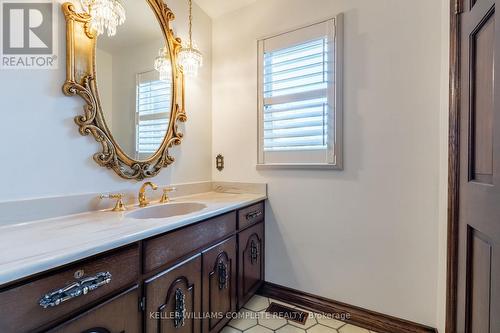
<point x="75" y="289"/>
<point x="253" y="215"/>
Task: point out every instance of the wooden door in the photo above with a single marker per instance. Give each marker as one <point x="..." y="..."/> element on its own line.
<point x="251" y="262"/>
<point x="219" y="285"/>
<point x="478" y="279"/>
<point x="118" y="315"/>
<point x="173" y="299"/>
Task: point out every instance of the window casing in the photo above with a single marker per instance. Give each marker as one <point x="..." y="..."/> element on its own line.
<point x="300" y="104"/>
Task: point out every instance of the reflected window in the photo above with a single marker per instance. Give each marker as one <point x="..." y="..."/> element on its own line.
<point x="154" y="99"/>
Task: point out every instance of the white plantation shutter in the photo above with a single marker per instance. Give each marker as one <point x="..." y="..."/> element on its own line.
<point x="298" y="85"/>
<point x="154" y="99"/>
<point x="300" y="76"/>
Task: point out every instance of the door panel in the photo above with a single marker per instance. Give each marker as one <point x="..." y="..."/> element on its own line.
<point x="482" y="100"/>
<point x="478" y="280"/>
<point x="219" y="284"/>
<point x="479" y="271"/>
<point x="173" y="299"/>
<point x="251" y="262"/>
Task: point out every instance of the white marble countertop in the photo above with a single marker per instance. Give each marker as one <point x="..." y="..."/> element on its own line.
<point x="32" y="247"/>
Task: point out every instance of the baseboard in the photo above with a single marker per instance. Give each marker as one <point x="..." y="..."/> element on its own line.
<point x="370" y="320"/>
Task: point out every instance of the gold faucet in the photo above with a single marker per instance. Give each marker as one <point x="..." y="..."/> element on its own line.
<point x="143" y="201"/>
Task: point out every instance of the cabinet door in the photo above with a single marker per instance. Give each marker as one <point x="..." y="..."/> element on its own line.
<point x="219" y="284"/>
<point x="173" y="299"/>
<point x="251" y="262"/>
<point x="118" y="315"/>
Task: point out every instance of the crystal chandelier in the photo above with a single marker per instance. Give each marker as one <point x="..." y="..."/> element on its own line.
<point x="105" y="14"/>
<point x="189" y="58"/>
<point x="163" y="65"/>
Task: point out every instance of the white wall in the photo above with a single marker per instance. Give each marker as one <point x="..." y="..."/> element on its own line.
<point x="42" y="153"/>
<point x="367" y="235"/>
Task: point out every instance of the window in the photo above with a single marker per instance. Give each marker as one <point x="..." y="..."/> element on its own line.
<point x="300" y="97"/>
<point x="154" y="98"/>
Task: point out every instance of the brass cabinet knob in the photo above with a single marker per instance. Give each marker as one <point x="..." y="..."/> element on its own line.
<point x="166" y="191"/>
<point x="119" y="206"/>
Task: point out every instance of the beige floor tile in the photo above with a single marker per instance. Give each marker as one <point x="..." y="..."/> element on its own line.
<point x="245" y="321"/>
<point x="257" y="303"/>
<point x="229" y="329"/>
<point x="271" y="321"/>
<point x="352" y="329"/>
<point x="259" y="329"/>
<point x="330" y="322"/>
<point x="290" y="329"/>
<point x="321" y="329"/>
<point x="254" y="320"/>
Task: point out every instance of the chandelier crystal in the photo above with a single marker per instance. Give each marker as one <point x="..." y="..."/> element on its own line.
<point x="105" y="15"/>
<point x="190" y="58"/>
<point x="162" y="64"/>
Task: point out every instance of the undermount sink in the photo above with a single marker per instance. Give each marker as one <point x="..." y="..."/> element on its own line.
<point x="166" y="210"/>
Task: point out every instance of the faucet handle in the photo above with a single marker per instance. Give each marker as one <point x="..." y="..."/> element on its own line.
<point x="119" y="206"/>
<point x="164" y="197"/>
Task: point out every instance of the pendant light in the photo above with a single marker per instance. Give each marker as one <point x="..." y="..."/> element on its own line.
<point x="190" y="58"/>
<point x="162" y="64"/>
<point x="105" y="15"/>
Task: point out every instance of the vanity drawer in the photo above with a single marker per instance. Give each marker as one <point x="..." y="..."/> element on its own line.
<point x="25" y="312"/>
<point x="250" y="215"/>
<point x="119" y="314"/>
<point x="168" y="248"/>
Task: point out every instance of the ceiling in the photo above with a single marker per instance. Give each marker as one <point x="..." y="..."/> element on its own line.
<point x="216" y="8"/>
<point x="142" y="27"/>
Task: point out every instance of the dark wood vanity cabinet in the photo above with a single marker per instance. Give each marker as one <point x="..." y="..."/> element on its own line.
<point x="250" y="215"/>
<point x="173" y="299"/>
<point x="21" y="307"/>
<point x="161" y="284"/>
<point x="118" y="315"/>
<point x="167" y="249"/>
<point x="219" y="284"/>
<point x="251" y="262"/>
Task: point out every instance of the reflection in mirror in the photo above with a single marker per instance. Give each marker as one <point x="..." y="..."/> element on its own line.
<point x="134" y="78"/>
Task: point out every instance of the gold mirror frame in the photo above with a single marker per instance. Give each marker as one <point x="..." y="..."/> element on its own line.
<point x="81" y="81"/>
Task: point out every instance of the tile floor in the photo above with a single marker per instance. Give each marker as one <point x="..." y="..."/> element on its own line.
<point x="251" y="322"/>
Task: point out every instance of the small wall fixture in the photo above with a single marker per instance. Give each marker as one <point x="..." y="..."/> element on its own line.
<point x="219" y="162"/>
<point x="105" y="15"/>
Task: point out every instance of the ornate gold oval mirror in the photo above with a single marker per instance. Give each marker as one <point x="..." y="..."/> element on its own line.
<point x="132" y="88"/>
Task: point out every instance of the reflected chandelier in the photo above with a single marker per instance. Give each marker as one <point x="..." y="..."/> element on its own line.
<point x="105" y="15"/>
<point x="162" y="64"/>
<point x="189" y="57"/>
